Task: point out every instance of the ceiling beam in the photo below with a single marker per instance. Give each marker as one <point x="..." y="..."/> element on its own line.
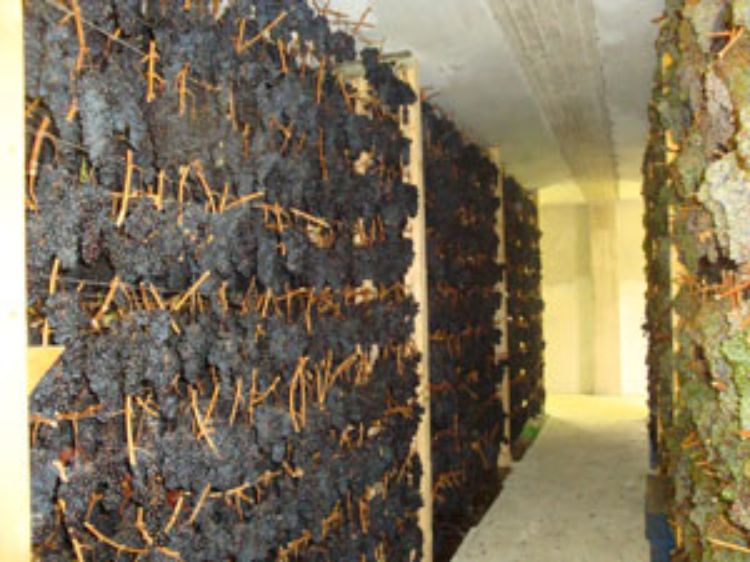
<point x="556" y="45"/>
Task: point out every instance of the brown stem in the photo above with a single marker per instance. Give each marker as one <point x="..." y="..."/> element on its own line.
<point x="179" y="303"/>
<point x="232" y="111"/>
<point x="182" y="90"/>
<point x="729" y="546"/>
<point x="241" y="46"/>
<point x="224" y="197"/>
<point x="298" y="415"/>
<point x="735" y="36"/>
<point x="198" y="506"/>
<point x="77" y="550"/>
<point x="245" y="199"/>
<point x="322" y="156"/>
<point x="321" y="79"/>
<point x="160" y="190"/>
<point x="152" y="77"/>
<point x="175" y="514"/>
<point x="113" y="286"/>
<point x="308" y="311"/>
<point x="364" y="514"/>
<point x="141" y="526"/>
<point x="112" y="543"/>
<point x="237" y="401"/>
<point x="198" y="167"/>
<point x="362" y="21"/>
<point x="310" y="218"/>
<point x="203" y="431"/>
<point x="214" y="398"/>
<point x="267" y="301"/>
<point x="184" y="171"/>
<point x="33" y="166"/>
<point x="80" y="33"/>
<point x="281" y="46"/>
<point x="258" y="399"/>
<point x="129" y="431"/>
<point x="126" y="188"/>
<point x="146" y="406"/>
<point x="60" y="467"/>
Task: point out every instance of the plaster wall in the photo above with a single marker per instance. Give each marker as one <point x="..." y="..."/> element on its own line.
<point x="605" y="343"/>
<point x="567" y="290"/>
<point x="631" y="265"/>
<point x="594" y="290"/>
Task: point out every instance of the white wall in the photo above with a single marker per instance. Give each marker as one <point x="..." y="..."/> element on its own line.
<point x="575" y="344"/>
<point x="567" y="294"/>
<point x="633" y="341"/>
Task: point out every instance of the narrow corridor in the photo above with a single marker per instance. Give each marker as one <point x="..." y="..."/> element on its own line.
<point x="577" y="496"/>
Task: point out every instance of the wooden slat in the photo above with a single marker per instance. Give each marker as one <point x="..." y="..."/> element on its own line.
<point x="416" y="280"/>
<point x="15" y="517"/>
<point x="505" y="459"/>
<point x="39" y="360"/>
<point x="677" y="270"/>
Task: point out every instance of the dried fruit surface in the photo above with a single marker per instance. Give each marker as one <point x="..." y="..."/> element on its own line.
<point x="467" y="416"/>
<point x="240" y="378"/>
<point x="697" y="243"/>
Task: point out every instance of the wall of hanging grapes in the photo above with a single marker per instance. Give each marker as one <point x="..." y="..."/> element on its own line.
<point x="525" y="306"/>
<point x="226" y="273"/>
<point x="467" y="418"/>
<point x="702" y="115"/>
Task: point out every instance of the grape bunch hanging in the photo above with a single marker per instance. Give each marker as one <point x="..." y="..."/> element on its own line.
<point x="464" y="274"/>
<point x="525" y="306"/>
<point x="217" y="236"/>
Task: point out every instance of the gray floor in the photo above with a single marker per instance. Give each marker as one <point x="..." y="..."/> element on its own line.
<point x="578" y="495"/>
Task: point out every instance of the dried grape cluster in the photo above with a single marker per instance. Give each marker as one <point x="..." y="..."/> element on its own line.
<point x="467" y="417"/>
<point x="216" y="225"/>
<point x="525" y="306"/>
<point x="697" y="196"/>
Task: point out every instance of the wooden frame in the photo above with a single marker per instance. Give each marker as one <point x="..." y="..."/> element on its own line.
<point x="678" y="271"/>
<point x="15" y="486"/>
<point x="416" y="280"/>
<point x="407" y="68"/>
<point x="505" y="459"/>
<point x="15" y="537"/>
<point x="39" y="360"/>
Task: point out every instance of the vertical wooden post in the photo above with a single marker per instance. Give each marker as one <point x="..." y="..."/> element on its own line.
<point x="676" y="272"/>
<point x="416" y="280"/>
<point x="505" y="458"/>
<point x="676" y="268"/>
<point x="15" y="518"/>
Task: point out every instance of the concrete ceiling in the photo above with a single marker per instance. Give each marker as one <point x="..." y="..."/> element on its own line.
<point x="562" y="86"/>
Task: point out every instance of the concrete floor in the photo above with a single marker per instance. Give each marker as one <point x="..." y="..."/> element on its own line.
<point x="578" y="494"/>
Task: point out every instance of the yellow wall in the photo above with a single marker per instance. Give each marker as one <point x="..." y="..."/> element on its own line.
<point x="632" y="277"/>
<point x="14" y="469"/>
<point x="594" y="293"/>
<point x="567" y="294"/>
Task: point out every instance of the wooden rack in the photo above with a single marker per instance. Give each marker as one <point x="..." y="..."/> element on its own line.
<point x="505" y="458"/>
<point x="407" y="68"/>
<point x="14" y="489"/>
